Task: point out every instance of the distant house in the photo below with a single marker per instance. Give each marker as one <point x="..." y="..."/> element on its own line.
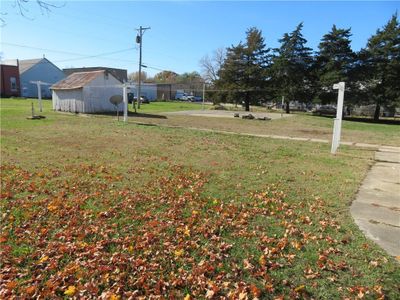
<point x="10" y="83"/>
<point x="120" y="74"/>
<point x="40" y="69"/>
<point x="86" y="92"/>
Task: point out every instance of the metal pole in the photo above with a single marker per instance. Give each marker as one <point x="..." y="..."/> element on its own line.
<point x="39" y="95"/>
<point x="204" y="94"/>
<point x="125" y="98"/>
<point x="283" y="101"/>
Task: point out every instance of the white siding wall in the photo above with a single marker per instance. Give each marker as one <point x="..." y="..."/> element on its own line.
<point x="68" y="100"/>
<point x="98" y="92"/>
<point x="97" y="99"/>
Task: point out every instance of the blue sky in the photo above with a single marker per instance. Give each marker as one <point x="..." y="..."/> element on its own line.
<point x="181" y="32"/>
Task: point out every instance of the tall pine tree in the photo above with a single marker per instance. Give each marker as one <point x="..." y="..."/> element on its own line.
<point x="334" y="63"/>
<point x="380" y="67"/>
<point x="291" y="68"/>
<point x="243" y="75"/>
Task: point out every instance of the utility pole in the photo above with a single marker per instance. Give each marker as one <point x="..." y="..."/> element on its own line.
<point x="139" y="39"/>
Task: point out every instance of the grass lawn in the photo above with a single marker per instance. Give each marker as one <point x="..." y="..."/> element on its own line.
<point x="156" y="107"/>
<point x="300" y="125"/>
<point x="92" y="207"/>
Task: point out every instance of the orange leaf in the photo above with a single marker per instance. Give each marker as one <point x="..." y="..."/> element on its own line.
<point x="11" y="285"/>
<point x="30" y="290"/>
<point x="255" y="291"/>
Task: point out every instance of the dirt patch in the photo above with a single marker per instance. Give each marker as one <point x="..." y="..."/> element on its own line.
<point x="314" y="131"/>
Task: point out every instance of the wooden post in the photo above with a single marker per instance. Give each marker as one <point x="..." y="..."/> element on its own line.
<point x="39" y="87"/>
<point x="125" y="101"/>
<point x="337" y="125"/>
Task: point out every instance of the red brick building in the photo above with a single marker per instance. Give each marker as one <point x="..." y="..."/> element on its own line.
<point x="9" y="81"/>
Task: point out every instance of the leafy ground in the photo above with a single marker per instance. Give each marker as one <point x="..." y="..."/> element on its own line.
<point x="91" y="207"/>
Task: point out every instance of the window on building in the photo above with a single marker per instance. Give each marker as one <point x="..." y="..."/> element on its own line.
<point x="13" y="83"/>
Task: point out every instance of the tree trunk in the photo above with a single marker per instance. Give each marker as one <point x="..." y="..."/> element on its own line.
<point x="287" y="107"/>
<point x="377" y="112"/>
<point x="247" y="105"/>
<point x="247" y="102"/>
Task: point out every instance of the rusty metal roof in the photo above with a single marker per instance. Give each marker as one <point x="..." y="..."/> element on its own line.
<point x="76" y="80"/>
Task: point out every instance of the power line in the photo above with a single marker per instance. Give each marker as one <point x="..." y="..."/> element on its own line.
<point x="83" y="56"/>
<point x="39" y="48"/>
<point x="102" y="54"/>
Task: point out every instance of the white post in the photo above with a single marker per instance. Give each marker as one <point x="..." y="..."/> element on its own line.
<point x="283" y="101"/>
<point x="39" y="88"/>
<point x="125" y="101"/>
<point x="204" y="93"/>
<point x="337" y="125"/>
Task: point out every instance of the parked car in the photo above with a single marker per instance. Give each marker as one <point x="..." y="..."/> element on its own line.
<point x="187" y="98"/>
<point x="325" y="110"/>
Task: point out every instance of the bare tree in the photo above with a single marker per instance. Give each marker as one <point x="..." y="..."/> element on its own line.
<point x="135" y="76"/>
<point x="22" y="7"/>
<point x="211" y="65"/>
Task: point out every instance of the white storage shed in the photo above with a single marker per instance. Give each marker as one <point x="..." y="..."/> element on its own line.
<point x="86" y="92"/>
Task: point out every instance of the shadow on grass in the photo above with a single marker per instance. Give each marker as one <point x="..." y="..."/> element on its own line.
<point x="132" y="114"/>
<point x="364" y="120"/>
<point x="370" y="120"/>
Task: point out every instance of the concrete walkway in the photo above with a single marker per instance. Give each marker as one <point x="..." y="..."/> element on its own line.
<point x="376" y="209"/>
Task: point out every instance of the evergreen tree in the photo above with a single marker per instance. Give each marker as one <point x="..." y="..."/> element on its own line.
<point x="334" y="63"/>
<point x="379" y="67"/>
<point x="291" y="68"/>
<point x="243" y="73"/>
